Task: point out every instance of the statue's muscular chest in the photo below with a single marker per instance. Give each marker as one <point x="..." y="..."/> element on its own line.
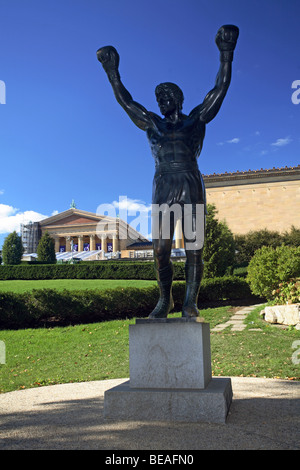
<point x="176" y="142"/>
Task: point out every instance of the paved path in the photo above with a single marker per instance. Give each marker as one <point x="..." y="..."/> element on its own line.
<point x="264" y="414"/>
<point x="237" y="320"/>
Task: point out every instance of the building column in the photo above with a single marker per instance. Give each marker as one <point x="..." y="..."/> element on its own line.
<point x="80" y="243"/>
<point x="104" y="244"/>
<point x="68" y="243"/>
<point x="56" y="244"/>
<point x="92" y="243"/>
<point x="115" y="243"/>
<point x="178" y="234"/>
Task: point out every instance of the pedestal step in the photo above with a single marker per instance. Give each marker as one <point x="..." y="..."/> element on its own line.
<point x="209" y="405"/>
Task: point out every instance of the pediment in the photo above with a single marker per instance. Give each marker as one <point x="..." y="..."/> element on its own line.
<point x="71" y="217"/>
<point x="76" y="218"/>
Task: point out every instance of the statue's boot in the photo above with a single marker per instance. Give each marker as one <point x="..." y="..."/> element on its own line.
<point x="193" y="276"/>
<point x="165" y="303"/>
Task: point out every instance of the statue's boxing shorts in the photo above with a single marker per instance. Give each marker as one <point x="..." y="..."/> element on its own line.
<point x="178" y="183"/>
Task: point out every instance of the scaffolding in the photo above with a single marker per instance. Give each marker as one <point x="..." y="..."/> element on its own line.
<point x="30" y="234"/>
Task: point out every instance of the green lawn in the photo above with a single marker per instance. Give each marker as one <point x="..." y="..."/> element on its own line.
<point x="70" y="284"/>
<point x="98" y="351"/>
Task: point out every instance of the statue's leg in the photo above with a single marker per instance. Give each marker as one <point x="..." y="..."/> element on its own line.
<point x="164" y="274"/>
<point x="193" y="272"/>
<point x="193" y="276"/>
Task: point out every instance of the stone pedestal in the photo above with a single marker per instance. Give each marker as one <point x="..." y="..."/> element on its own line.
<point x="169" y="354"/>
<point x="170" y="375"/>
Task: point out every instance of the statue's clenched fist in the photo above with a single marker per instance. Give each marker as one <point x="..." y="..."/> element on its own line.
<point x="226" y="37"/>
<point x="109" y="58"/>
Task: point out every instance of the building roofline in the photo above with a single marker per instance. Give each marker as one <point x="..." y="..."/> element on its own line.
<point x="67" y="213"/>
<point x="124" y="227"/>
<point x="251" y="176"/>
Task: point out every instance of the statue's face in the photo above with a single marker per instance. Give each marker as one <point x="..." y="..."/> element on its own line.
<point x="166" y="103"/>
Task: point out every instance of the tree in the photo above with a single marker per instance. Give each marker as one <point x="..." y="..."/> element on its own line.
<point x="219" y="249"/>
<point x="246" y="245"/>
<point x="292" y="237"/>
<point x="46" y="249"/>
<point x="12" y="249"/>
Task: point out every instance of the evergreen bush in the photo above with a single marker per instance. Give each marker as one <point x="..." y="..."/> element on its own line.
<point x="12" y="249"/>
<point x="46" y="249"/>
<point x="270" y="266"/>
<point x="219" y="248"/>
<point x="247" y="244"/>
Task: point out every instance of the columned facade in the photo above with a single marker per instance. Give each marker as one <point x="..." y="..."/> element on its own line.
<point x="250" y="200"/>
<point x="80" y="231"/>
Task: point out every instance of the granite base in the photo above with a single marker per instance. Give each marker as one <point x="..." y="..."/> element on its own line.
<point x="209" y="405"/>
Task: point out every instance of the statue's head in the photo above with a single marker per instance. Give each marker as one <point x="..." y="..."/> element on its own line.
<point x="168" y="96"/>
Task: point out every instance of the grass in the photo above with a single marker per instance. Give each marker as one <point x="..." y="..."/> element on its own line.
<point x="70" y="284"/>
<point x="99" y="351"/>
<point x="261" y="350"/>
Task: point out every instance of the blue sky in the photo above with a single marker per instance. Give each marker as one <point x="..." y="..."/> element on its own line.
<point x="62" y="134"/>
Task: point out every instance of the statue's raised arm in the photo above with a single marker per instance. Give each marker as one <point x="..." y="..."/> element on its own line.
<point x="109" y="58"/>
<point x="226" y="40"/>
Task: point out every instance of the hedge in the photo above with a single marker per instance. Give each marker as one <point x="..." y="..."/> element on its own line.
<point x="104" y="270"/>
<point x="42" y="307"/>
<point x="270" y="266"/>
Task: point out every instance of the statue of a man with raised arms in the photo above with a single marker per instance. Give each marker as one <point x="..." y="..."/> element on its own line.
<point x="176" y="142"/>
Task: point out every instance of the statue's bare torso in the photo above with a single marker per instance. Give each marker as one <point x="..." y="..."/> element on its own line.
<point x="179" y="142"/>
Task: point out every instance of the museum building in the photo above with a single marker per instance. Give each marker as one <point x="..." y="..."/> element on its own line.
<point x="256" y="199"/>
<point x="77" y="231"/>
<point x="246" y="200"/>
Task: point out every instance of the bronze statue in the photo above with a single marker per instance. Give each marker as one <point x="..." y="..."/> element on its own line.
<point x="176" y="142"/>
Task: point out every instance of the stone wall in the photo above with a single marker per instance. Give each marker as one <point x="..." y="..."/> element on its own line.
<point x="256" y="200"/>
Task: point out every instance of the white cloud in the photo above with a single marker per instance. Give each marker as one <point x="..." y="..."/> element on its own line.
<point x="235" y="140"/>
<point x="282" y="142"/>
<point x="1" y="191"/>
<point x="11" y="218"/>
<point x="132" y="211"/>
<point x="131" y="205"/>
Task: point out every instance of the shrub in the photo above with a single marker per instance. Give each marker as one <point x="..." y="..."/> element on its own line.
<point x="44" y="306"/>
<point x="270" y="266"/>
<point x="218" y="252"/>
<point x="287" y="292"/>
<point x="12" y="249"/>
<point x="246" y="245"/>
<point x="292" y="237"/>
<point x="101" y="270"/>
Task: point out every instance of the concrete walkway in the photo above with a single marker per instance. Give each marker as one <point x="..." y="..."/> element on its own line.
<point x="237" y="320"/>
<point x="264" y="414"/>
